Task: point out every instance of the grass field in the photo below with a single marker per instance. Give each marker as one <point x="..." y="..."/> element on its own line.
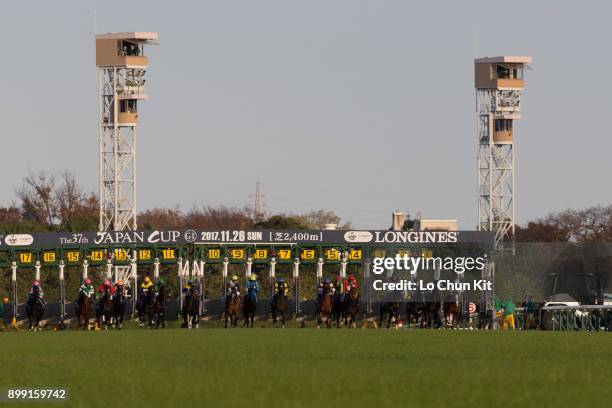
<point x="306" y="367"/>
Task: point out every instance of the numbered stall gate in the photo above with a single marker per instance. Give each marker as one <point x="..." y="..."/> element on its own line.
<point x="118" y="255"/>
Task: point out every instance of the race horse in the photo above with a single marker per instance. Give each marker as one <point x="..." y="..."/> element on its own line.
<point x="414" y="314"/>
<point x="338" y="308"/>
<point x="104" y="309"/>
<point x="232" y="307"/>
<point x="391" y="310"/>
<point x="159" y="308"/>
<point x="324" y="309"/>
<point x="451" y="314"/>
<point x="35" y="309"/>
<point x="191" y="309"/>
<point x="84" y="305"/>
<point x="279" y="307"/>
<point x="432" y="315"/>
<point x="119" y="306"/>
<point x="146" y="309"/>
<point x="351" y="308"/>
<point x="249" y="308"/>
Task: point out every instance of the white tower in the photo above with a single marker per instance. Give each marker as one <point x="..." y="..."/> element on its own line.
<point x="499" y="84"/>
<point x="121" y="68"/>
<point x="258" y="203"/>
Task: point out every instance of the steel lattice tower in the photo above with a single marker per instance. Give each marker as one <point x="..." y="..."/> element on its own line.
<point x="499" y="84"/>
<point x="121" y="67"/>
<point x="258" y="203"/>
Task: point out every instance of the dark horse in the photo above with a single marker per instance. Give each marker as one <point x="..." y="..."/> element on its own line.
<point x="338" y="308"/>
<point x="119" y="306"/>
<point x="159" y="309"/>
<point x="84" y="305"/>
<point x="104" y="311"/>
<point x="191" y="309"/>
<point x="147" y="305"/>
<point x="392" y="310"/>
<point x="249" y="307"/>
<point x="279" y="307"/>
<point x="324" y="309"/>
<point x="351" y="307"/>
<point x="232" y="307"/>
<point x="432" y="315"/>
<point x="35" y="309"/>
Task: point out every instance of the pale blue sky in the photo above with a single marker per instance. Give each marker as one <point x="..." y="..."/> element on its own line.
<point x="358" y="107"/>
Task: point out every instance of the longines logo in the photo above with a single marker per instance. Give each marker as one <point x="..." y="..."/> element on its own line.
<point x="415" y="236"/>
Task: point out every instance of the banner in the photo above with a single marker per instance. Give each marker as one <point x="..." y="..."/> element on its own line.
<point x="312" y="237"/>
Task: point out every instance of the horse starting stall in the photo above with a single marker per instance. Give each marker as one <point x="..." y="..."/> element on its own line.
<point x="304" y="257"/>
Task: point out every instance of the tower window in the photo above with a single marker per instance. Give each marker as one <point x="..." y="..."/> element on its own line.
<point x="128" y="106"/>
<point x="129" y="48"/>
<point x="509" y="71"/>
<point x="503" y="125"/>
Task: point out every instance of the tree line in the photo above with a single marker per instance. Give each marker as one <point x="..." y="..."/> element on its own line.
<point x="56" y="202"/>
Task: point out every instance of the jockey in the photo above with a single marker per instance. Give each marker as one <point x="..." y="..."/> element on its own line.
<point x="118" y="285"/>
<point x="339" y="284"/>
<point x="281" y="288"/>
<point x="36" y="284"/>
<point x="232" y="284"/>
<point x="106" y="285"/>
<point x="325" y="284"/>
<point x="87" y="288"/>
<point x="252" y="286"/>
<point x="160" y="282"/>
<point x="145" y="286"/>
<point x="350" y="283"/>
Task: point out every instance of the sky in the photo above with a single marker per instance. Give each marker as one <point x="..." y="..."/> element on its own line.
<point x="361" y="107"/>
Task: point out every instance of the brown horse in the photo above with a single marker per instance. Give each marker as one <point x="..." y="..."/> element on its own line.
<point x="159" y="308"/>
<point x="249" y="308"/>
<point x="352" y="307"/>
<point x="232" y="308"/>
<point x="392" y="310"/>
<point x="324" y="309"/>
<point x="279" y="308"/>
<point x="451" y="314"/>
<point x="84" y="305"/>
<point x="104" y="311"/>
<point x="191" y="309"/>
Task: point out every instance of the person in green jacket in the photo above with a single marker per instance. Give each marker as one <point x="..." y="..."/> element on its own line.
<point x="507" y="311"/>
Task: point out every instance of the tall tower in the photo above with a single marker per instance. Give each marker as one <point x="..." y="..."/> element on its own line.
<point x="258" y="203"/>
<point x="499" y="84"/>
<point x="121" y="66"/>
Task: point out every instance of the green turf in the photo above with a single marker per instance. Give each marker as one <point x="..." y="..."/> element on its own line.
<point x="313" y="368"/>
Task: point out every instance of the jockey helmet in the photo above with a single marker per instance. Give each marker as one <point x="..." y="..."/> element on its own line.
<point x="147" y="279"/>
<point x="107" y="282"/>
<point x="326" y="280"/>
<point x="253" y="277"/>
<point x="36" y="283"/>
<point x="119" y="283"/>
<point x="87" y="281"/>
<point x="234" y="277"/>
<point x="280" y="280"/>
